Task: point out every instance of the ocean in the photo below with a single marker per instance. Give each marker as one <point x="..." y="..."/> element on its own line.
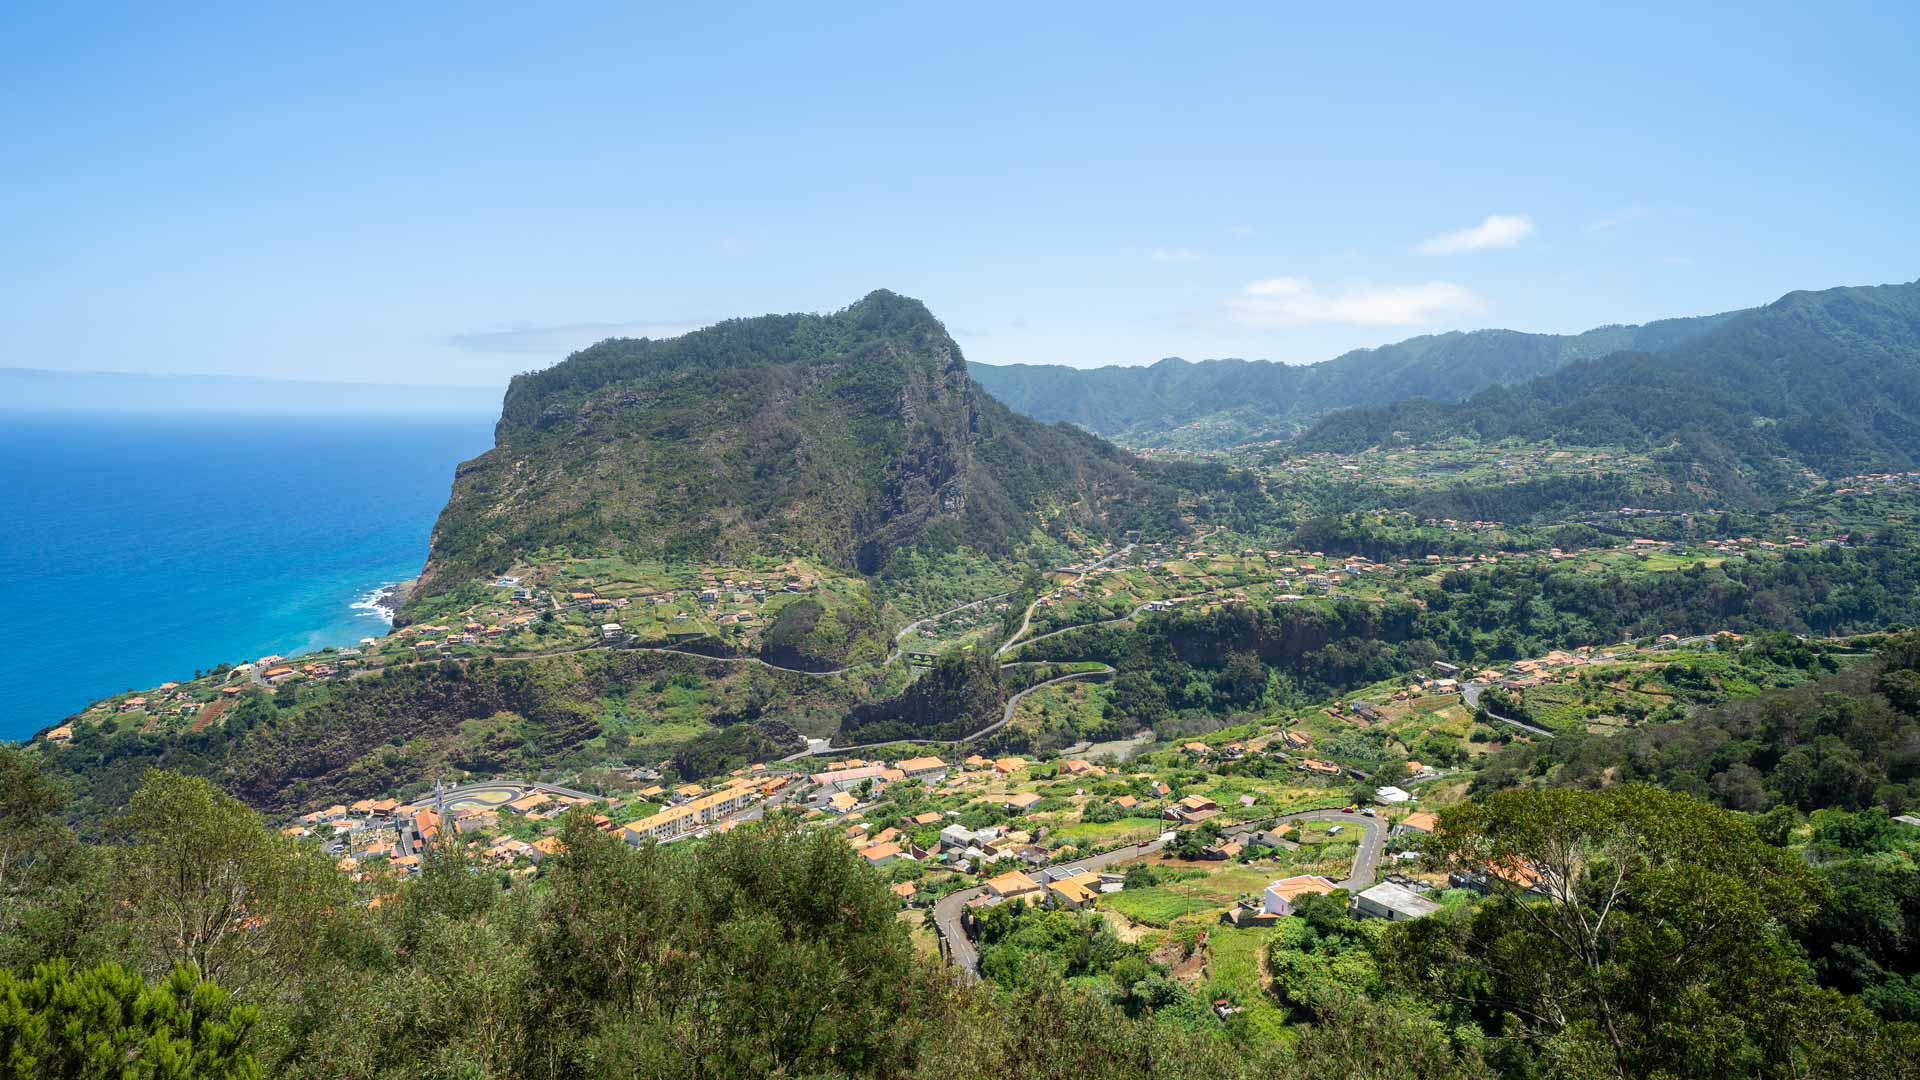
<point x="137" y="548"/>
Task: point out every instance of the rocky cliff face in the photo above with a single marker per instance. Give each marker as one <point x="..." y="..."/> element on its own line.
<point x="843" y="437"/>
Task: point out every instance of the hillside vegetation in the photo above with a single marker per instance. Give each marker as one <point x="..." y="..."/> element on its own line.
<point x="1827" y="381"/>
<point x="1215" y="403"/>
<point x="844" y="437"/>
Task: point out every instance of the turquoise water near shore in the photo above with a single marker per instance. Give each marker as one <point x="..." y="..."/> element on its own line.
<point x="138" y="548"/>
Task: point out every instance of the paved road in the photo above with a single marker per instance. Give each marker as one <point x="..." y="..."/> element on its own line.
<point x="965" y="958"/>
<point x="1006" y="715"/>
<point x="948" y="911"/>
<point x="1470" y="693"/>
<point x="1026" y="617"/>
<point x="513" y="787"/>
<point x="1366" y="859"/>
<point x="1015" y="642"/>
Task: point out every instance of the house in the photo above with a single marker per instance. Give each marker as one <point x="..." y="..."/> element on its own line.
<point x="879" y="776"/>
<point x="1391" y="795"/>
<point x="1324" y="768"/>
<point x="1009" y="765"/>
<point x="1230" y="849"/>
<point x="61" y="734"/>
<point x="1021" y="802"/>
<point x="1014" y="885"/>
<point x="1421" y="822"/>
<point x="959" y="837"/>
<point x="842" y="802"/>
<point x="882" y="854"/>
<point x="927" y="770"/>
<point x="1279" y="897"/>
<point x="1075" y="893"/>
<point x="1077" y="767"/>
<point x="1193" y="808"/>
<point x="975" y="761"/>
<point x="1393" y="901"/>
<point x="931" y="817"/>
<point x="1126" y="802"/>
<point x="905" y="890"/>
<point x="527" y="804"/>
<point x="611" y="632"/>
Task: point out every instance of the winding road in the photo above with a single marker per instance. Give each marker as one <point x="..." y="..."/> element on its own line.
<point x="1006" y="715"/>
<point x="1026" y="617"/>
<point x="950" y="910"/>
<point x="1470" y="694"/>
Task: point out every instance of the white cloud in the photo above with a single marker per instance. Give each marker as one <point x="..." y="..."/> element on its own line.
<point x="1497" y="231"/>
<point x="1286" y="301"/>
<point x="1177" y="255"/>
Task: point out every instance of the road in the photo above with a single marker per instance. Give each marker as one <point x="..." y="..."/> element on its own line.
<point x="1470" y="693"/>
<point x="1006" y="715"/>
<point x="949" y="910"/>
<point x="1015" y="642"/>
<point x="1026" y="617"/>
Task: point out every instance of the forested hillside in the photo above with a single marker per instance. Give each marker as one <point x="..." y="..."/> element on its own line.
<point x="1827" y="381"/>
<point x="843" y="437"/>
<point x="1216" y="403"/>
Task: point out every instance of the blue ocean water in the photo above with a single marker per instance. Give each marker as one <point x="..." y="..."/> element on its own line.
<point x="137" y="548"/>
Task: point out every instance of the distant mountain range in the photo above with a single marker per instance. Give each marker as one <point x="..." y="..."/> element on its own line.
<point x="40" y="390"/>
<point x="1827" y="381"/>
<point x="844" y="437"/>
<point x="1216" y="403"/>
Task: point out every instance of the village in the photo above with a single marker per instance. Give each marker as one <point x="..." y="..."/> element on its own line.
<point x="1235" y="826"/>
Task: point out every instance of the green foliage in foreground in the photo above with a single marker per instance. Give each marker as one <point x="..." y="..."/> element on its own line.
<point x="1670" y="946"/>
<point x="108" y="1022"/>
<point x="1659" y="940"/>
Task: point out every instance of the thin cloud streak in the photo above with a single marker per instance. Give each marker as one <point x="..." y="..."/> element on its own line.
<point x="1495" y="231"/>
<point x="1286" y="301"/>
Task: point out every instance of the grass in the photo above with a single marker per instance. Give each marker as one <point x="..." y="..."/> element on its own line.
<point x="1234" y="959"/>
<point x="1108" y="832"/>
<point x="1156" y="905"/>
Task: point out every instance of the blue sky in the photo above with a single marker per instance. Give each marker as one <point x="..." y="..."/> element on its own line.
<point x="416" y="196"/>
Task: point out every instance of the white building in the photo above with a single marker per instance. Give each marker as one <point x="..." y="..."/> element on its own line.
<point x="1393" y="902"/>
<point x="1279" y="897"/>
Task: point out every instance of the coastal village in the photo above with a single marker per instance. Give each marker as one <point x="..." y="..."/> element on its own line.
<point x="1236" y="826"/>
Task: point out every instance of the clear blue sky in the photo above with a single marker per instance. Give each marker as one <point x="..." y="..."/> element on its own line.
<point x="397" y="194"/>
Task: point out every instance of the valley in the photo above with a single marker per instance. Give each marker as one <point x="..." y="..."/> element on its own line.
<point x="1190" y="731"/>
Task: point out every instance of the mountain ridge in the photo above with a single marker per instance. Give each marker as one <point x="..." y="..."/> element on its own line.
<point x="1825" y="380"/>
<point x="1174" y="402"/>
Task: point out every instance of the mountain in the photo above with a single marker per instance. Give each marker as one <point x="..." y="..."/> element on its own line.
<point x="1216" y="403"/>
<point x="843" y="437"/>
<point x="1825" y="381"/>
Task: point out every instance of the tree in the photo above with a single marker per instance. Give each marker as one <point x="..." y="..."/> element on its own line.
<point x="48" y="879"/>
<point x="1630" y="932"/>
<point x="206" y="885"/>
<point x="106" y="1023"/>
